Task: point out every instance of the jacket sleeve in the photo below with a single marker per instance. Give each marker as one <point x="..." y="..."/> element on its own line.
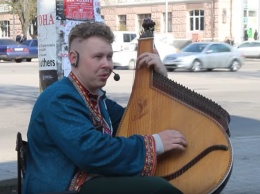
<point x="69" y="126"/>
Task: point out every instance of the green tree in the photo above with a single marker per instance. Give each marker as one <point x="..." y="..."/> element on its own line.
<point x="26" y="10"/>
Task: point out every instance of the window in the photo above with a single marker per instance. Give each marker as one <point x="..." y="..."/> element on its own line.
<point x="128" y="37"/>
<point x="27" y="43"/>
<point x="5" y="28"/>
<point x="252" y="13"/>
<point x="122" y="22"/>
<point x="34" y="43"/>
<point x="141" y="18"/>
<point x="196" y="20"/>
<point x="245" y="13"/>
<point x="246" y="44"/>
<point x="256" y="44"/>
<point x="169" y="21"/>
<point x="223" y="48"/>
<point x="224" y="16"/>
<point x="214" y="48"/>
<point x="195" y="48"/>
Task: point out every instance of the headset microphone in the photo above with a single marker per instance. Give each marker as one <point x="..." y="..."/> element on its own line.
<point x="116" y="76"/>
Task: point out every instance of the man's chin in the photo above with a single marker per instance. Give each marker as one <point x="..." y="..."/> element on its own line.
<point x="102" y="84"/>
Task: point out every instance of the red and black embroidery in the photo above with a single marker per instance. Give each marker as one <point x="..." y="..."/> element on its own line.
<point x="151" y="157"/>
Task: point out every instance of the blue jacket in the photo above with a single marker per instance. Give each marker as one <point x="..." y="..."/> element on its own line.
<point x="61" y="138"/>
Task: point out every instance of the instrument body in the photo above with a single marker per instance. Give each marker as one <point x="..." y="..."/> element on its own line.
<point x="157" y="103"/>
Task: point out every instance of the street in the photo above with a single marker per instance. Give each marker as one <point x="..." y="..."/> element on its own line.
<point x="237" y="92"/>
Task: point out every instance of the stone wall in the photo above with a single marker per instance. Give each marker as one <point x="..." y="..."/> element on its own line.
<point x="180" y="18"/>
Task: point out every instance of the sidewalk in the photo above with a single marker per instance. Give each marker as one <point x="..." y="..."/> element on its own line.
<point x="245" y="177"/>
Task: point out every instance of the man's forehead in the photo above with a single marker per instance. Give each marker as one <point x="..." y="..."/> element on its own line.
<point x="81" y="44"/>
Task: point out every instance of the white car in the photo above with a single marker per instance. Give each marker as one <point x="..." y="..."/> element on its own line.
<point x="250" y="49"/>
<point x="123" y="38"/>
<point x="205" y="55"/>
<point x="127" y="57"/>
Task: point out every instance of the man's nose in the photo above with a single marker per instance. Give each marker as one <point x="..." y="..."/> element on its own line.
<point x="107" y="63"/>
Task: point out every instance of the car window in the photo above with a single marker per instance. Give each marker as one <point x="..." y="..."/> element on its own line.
<point x="256" y="44"/>
<point x="129" y="37"/>
<point x="246" y="44"/>
<point x="214" y="48"/>
<point x="27" y="43"/>
<point x="34" y="43"/>
<point x="8" y="42"/>
<point x="223" y="48"/>
<point x="194" y="48"/>
<point x="133" y="36"/>
<point x="126" y="38"/>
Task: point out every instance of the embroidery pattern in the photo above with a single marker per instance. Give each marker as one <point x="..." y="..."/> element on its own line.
<point x="151" y="157"/>
<point x="94" y="110"/>
<point x="99" y="123"/>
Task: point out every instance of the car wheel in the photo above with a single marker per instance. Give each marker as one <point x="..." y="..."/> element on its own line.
<point x="209" y="69"/>
<point x="29" y="60"/>
<point x="131" y="64"/>
<point x="196" y="66"/>
<point x="235" y="65"/>
<point x="18" y="60"/>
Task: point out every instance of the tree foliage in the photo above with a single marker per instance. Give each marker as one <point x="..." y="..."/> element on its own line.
<point x="26" y="10"/>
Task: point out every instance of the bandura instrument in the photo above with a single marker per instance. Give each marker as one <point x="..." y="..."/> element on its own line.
<point x="157" y="103"/>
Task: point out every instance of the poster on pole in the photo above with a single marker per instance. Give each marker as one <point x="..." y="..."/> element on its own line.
<point x="70" y="13"/>
<point x="46" y="43"/>
<point x="79" y="9"/>
<point x="55" y="21"/>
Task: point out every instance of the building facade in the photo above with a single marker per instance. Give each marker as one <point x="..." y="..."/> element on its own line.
<point x="196" y="20"/>
<point x="10" y="24"/>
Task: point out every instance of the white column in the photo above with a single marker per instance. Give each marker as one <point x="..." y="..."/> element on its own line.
<point x="166" y="16"/>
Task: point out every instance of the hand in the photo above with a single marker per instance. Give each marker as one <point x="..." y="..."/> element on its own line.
<point x="152" y="59"/>
<point x="172" y="140"/>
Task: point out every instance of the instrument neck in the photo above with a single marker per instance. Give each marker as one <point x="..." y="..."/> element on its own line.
<point x="142" y="75"/>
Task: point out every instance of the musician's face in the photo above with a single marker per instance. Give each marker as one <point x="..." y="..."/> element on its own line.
<point x="95" y="61"/>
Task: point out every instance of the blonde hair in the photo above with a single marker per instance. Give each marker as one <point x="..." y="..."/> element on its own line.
<point x="88" y="29"/>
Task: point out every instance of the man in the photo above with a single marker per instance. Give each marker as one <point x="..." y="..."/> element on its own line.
<point x="18" y="37"/>
<point x="24" y="38"/>
<point x="256" y="35"/>
<point x="71" y="135"/>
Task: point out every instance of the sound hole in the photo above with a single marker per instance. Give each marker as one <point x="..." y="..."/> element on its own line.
<point x="195" y="160"/>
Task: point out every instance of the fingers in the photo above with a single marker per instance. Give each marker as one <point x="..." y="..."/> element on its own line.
<point x="155" y="51"/>
<point x="148" y="59"/>
<point x="176" y="140"/>
<point x="179" y="144"/>
<point x="173" y="140"/>
<point x="151" y="59"/>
